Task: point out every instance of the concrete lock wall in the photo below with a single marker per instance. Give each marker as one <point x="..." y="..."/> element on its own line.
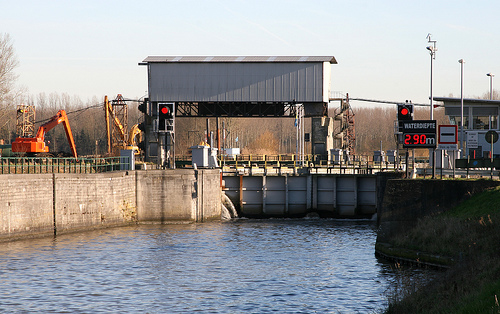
<point x="26" y="203"/>
<point x="83" y="201"/>
<point x="182" y="195"/>
<point x="46" y="204"/>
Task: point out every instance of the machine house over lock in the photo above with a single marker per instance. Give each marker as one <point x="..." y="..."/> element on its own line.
<point x="238" y="86"/>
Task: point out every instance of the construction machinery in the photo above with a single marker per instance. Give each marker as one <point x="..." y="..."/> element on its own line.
<point x="36" y="145"/>
<point x="116" y="114"/>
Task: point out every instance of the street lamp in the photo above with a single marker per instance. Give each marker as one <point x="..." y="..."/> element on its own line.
<point x="432" y="49"/>
<point x="461" y="61"/>
<point x="491" y="75"/>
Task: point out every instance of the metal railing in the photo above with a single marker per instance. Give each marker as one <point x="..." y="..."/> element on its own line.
<point x="24" y="165"/>
<point x="292" y="161"/>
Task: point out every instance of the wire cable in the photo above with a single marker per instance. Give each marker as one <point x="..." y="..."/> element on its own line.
<point x="74" y="111"/>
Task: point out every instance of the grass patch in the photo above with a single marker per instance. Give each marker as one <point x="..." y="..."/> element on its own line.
<point x="479" y="205"/>
<point x="473" y="225"/>
<point x="470" y="234"/>
<point x="487" y="298"/>
<point x="467" y="288"/>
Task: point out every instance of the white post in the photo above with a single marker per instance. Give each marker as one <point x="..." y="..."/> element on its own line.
<point x="462" y="104"/>
<point x="432" y="49"/>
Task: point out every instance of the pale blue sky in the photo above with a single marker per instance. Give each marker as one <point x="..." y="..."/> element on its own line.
<point x="88" y="48"/>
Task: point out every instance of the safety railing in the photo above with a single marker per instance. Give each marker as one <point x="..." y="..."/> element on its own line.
<point x="363" y="163"/>
<point x="25" y="165"/>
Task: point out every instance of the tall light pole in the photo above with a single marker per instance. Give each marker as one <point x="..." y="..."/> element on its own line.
<point x="491" y="75"/>
<point x="432" y="49"/>
<point x="461" y="61"/>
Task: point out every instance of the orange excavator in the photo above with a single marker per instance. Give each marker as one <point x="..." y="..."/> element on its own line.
<point x="36" y="144"/>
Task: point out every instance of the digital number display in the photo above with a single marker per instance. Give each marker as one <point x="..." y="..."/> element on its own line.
<point x="419" y="140"/>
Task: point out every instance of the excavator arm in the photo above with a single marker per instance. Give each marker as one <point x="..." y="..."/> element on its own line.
<point x="134" y="131"/>
<point x="37" y="144"/>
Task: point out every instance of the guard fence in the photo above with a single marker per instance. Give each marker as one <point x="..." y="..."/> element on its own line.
<point x="24" y="165"/>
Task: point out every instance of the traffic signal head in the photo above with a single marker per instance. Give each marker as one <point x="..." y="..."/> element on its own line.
<point x="405" y="111"/>
<point x="165" y="116"/>
<point x="143" y="107"/>
<point x="166" y="111"/>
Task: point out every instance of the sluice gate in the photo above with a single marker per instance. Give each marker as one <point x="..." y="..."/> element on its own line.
<point x="285" y="195"/>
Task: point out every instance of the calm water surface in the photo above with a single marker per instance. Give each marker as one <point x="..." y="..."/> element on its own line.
<point x="243" y="266"/>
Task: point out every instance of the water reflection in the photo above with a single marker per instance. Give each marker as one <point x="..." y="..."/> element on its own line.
<point x="253" y="266"/>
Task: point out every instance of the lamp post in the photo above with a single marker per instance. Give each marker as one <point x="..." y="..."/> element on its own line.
<point x="461" y="61"/>
<point x="491" y="75"/>
<point x="432" y="49"/>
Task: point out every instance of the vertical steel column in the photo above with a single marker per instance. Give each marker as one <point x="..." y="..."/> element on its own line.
<point x="315" y="192"/>
<point x="264" y="194"/>
<point x="241" y="192"/>
<point x="286" y="194"/>
<point x="309" y="192"/>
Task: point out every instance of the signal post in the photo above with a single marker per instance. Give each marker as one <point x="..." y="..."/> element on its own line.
<point x="159" y="127"/>
<point x="415" y="133"/>
<point x="405" y="113"/>
<point x="166" y="135"/>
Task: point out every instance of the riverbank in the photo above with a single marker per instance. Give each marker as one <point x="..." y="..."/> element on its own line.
<point x="467" y="240"/>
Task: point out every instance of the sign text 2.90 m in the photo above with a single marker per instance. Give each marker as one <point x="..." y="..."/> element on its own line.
<point x="419" y="140"/>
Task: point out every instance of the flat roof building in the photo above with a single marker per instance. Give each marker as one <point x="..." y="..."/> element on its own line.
<point x="480" y="116"/>
<point x="224" y="85"/>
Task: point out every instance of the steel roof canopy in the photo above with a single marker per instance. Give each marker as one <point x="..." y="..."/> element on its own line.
<point x="468" y="100"/>
<point x="236" y="59"/>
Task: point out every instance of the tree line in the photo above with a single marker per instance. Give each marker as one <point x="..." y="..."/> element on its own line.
<point x="374" y="125"/>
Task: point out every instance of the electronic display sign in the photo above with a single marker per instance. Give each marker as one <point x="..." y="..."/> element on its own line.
<point x="419" y="134"/>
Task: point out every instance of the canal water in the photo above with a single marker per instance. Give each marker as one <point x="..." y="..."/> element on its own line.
<point x="242" y="266"/>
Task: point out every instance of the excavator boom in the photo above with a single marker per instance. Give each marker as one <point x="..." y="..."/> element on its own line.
<point x="37" y="144"/>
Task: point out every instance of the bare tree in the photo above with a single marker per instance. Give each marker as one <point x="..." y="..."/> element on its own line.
<point x="8" y="62"/>
<point x="496" y="95"/>
<point x="54" y="102"/>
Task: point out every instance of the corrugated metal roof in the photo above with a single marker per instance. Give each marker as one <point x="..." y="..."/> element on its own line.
<point x="292" y="59"/>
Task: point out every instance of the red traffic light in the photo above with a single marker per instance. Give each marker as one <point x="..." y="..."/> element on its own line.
<point x="165" y="117"/>
<point x="166" y="111"/>
<point x="405" y="111"/>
